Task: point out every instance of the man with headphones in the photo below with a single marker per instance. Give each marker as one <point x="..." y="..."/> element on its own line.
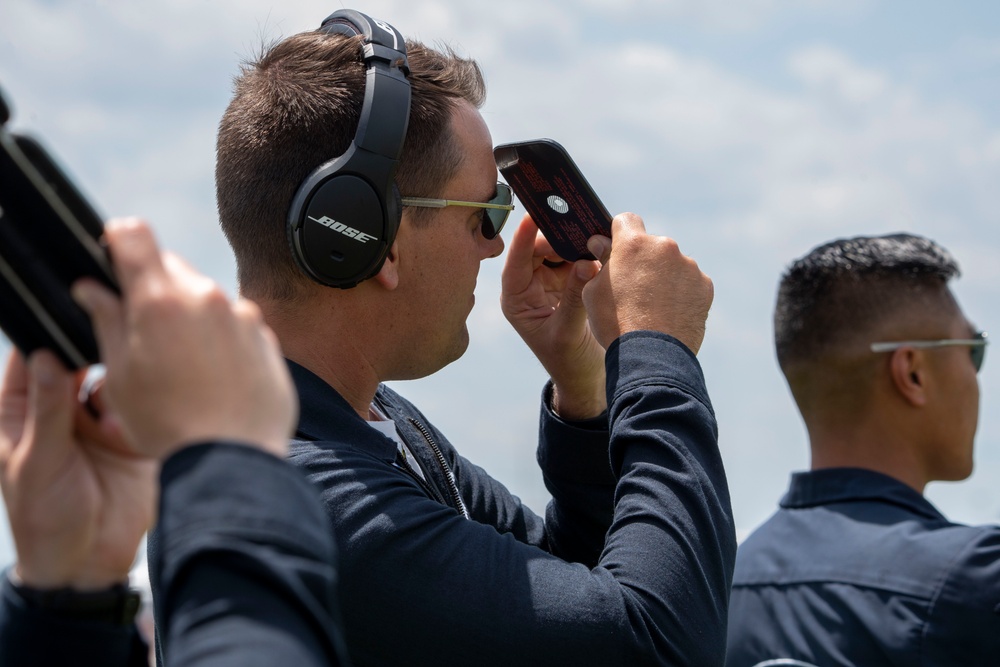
<point x="356" y="184"/>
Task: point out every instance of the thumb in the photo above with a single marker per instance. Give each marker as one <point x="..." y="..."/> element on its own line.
<point x="106" y="314"/>
<point x="582" y="273"/>
<point x="571" y="310"/>
<point x="51" y="402"/>
<point x="600" y="247"/>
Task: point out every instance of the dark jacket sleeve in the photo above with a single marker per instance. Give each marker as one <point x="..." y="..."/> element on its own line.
<point x="576" y="467"/>
<point x="35" y="638"/>
<point x="244" y="563"/>
<point x="459" y="592"/>
<point x="573" y="456"/>
<point x="672" y="500"/>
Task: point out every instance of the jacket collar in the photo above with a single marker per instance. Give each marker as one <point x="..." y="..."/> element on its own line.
<point x="325" y="415"/>
<point x="840" y="485"/>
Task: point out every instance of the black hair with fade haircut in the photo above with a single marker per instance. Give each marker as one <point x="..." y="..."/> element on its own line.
<point x="845" y="287"/>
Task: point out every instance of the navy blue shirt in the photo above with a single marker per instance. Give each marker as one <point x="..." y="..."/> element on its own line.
<point x="856" y="568"/>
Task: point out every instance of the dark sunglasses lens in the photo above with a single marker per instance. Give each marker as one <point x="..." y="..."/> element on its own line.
<point x="978" y="355"/>
<point x="496" y="217"/>
<point x="489" y="227"/>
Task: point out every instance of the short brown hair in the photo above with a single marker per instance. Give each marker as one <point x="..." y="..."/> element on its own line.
<point x="297" y="106"/>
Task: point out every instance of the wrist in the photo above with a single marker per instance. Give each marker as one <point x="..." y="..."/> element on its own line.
<point x="81" y="581"/>
<point x="578" y="405"/>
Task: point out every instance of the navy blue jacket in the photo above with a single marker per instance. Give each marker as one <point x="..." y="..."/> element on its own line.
<point x="246" y="581"/>
<point x="245" y="564"/>
<point x="856" y="568"/>
<point x="631" y="565"/>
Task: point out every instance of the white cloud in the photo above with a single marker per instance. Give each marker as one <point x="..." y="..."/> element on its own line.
<point x="720" y="15"/>
<point x="831" y="73"/>
<point x="840" y="150"/>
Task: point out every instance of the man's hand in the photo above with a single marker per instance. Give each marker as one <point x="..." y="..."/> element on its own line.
<point x="79" y="502"/>
<point x="184" y="365"/>
<point x="545" y="306"/>
<point x="646" y="283"/>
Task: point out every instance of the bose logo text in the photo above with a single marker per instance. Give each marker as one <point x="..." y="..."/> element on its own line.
<point x="350" y="232"/>
<point x="389" y="29"/>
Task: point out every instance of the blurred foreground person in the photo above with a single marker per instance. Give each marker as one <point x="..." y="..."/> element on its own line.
<point x="197" y="383"/>
<point x="857" y="567"/>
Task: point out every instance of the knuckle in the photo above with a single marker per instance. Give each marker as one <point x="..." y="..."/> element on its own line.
<point x="214" y="296"/>
<point x="248" y="311"/>
<point x="668" y="245"/>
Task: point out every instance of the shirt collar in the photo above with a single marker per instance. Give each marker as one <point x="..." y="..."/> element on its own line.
<point x="840" y="485"/>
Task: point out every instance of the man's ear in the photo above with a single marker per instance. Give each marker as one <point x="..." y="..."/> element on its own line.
<point x="388" y="275"/>
<point x="908" y="370"/>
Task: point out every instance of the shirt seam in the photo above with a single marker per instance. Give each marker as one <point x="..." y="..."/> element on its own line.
<point x="945" y="575"/>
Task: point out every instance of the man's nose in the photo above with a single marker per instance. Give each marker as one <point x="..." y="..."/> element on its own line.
<point x="493" y="247"/>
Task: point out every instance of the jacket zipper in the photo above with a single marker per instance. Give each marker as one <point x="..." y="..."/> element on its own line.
<point x="443" y="464"/>
<point x="404" y="464"/>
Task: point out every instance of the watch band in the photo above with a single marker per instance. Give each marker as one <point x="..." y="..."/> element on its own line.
<point x="117" y="605"/>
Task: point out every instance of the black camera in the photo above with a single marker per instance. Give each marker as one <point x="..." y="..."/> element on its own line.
<point x="50" y="237"/>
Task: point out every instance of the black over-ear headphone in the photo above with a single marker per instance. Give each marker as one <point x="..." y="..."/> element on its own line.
<point x="344" y="216"/>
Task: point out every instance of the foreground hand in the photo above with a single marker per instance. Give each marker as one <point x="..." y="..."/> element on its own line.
<point x="79" y="502"/>
<point x="646" y="283"/>
<point x="184" y="365"/>
<point x="545" y="306"/>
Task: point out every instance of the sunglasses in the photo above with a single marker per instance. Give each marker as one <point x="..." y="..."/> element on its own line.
<point x="495" y="211"/>
<point x="977" y="346"/>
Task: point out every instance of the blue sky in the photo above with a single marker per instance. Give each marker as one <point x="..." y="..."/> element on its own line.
<point x="749" y="131"/>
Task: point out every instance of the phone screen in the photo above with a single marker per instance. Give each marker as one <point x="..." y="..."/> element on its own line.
<point x="555" y="194"/>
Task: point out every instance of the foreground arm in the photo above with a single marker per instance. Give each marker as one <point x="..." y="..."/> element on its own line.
<point x="244" y="563"/>
<point x="78" y="504"/>
<point x="243" y="582"/>
<point x="184" y="366"/>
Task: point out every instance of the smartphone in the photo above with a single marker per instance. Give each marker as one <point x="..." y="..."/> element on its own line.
<point x="50" y="237"/>
<point x="556" y="195"/>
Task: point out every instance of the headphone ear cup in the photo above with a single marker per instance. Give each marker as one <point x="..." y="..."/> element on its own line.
<point x="336" y="229"/>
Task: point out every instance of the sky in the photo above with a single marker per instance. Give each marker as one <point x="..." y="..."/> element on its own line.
<point x="750" y="132"/>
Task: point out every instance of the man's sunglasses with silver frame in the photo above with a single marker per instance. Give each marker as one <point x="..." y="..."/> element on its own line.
<point x="496" y="209"/>
<point x="976" y="344"/>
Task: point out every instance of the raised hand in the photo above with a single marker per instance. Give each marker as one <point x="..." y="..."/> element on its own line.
<point x="545" y="306"/>
<point x="184" y="365"/>
<point x="79" y="501"/>
<point x="646" y="283"/>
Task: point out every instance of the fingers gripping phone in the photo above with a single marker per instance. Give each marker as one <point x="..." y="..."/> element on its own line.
<point x="555" y="194"/>
<point x="49" y="238"/>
